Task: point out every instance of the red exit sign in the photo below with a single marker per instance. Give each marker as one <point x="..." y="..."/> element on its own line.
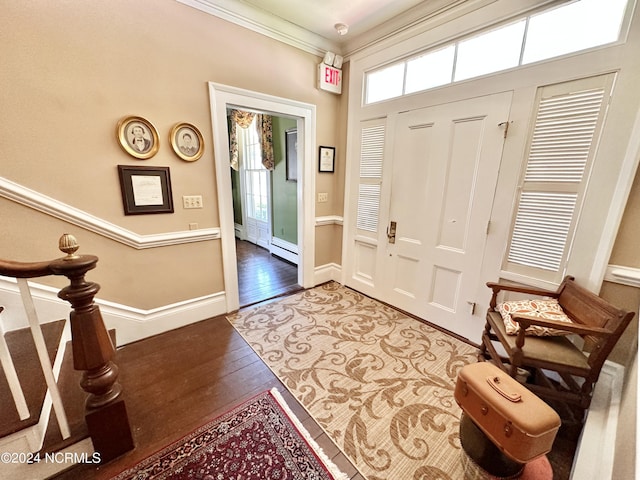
<point x="329" y="78"/>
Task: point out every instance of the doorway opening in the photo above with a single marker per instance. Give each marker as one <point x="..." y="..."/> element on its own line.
<point x="264" y="188"/>
<point x="222" y="99"/>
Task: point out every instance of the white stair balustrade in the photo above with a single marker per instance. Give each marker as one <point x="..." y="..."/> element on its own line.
<point x="12" y="376"/>
<point x="43" y="356"/>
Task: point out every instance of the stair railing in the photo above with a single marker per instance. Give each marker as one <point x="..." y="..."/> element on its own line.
<point x="93" y="351"/>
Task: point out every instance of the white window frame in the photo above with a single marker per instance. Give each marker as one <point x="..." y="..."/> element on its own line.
<point x="624" y="24"/>
<point x="251" y="166"/>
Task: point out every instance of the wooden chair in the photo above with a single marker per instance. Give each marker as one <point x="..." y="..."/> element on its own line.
<point x="594" y="320"/>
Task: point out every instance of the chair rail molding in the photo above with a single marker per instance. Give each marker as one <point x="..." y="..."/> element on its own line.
<point x="329" y="220"/>
<point x="623" y="275"/>
<point x="80" y="218"/>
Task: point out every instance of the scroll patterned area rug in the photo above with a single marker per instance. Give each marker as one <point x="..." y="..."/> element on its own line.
<point x="380" y="383"/>
<point x="258" y="440"/>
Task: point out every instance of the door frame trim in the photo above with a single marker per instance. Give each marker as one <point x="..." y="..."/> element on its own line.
<point x="223" y="96"/>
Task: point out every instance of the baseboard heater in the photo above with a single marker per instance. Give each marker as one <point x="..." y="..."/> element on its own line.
<point x="285" y="250"/>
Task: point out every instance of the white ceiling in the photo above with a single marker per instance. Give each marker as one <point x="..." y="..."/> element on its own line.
<point x="309" y="24"/>
<point x="320" y="16"/>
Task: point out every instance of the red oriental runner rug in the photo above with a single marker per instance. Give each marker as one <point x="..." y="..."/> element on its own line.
<point x="258" y="440"/>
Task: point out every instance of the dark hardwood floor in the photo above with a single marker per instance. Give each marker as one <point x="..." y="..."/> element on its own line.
<point x="177" y="381"/>
<point x="261" y="275"/>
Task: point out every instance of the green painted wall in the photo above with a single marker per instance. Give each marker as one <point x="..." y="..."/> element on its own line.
<point x="283" y="191"/>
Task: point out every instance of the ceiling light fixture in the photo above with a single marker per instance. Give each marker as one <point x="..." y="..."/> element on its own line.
<point x="341" y="28"/>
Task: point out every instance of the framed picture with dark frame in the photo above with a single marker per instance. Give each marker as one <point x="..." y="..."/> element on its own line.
<point x="145" y="189"/>
<point x="326" y="159"/>
<point x="291" y="154"/>
<point x="138" y="137"/>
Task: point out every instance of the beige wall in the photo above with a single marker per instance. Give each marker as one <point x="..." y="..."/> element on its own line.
<point x="72" y="69"/>
<point x="626" y="253"/>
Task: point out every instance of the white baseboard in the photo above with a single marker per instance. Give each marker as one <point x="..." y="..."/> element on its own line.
<point x="131" y="324"/>
<point x="597" y="444"/>
<point x="327" y="272"/>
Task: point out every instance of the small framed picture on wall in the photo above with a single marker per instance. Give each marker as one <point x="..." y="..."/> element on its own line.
<point x="187" y="142"/>
<point x="145" y="189"/>
<point x="326" y="159"/>
<point x="291" y="154"/>
<point x="138" y="137"/>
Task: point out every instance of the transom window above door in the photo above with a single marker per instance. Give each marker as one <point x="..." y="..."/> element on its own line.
<point x="556" y="31"/>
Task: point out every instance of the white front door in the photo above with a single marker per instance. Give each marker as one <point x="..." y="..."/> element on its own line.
<point x="439" y="174"/>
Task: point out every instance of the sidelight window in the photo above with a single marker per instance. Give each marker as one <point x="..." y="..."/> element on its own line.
<point x="369" y="187"/>
<point x="566" y="128"/>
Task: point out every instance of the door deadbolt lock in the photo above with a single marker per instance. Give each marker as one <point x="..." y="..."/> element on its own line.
<point x="391" y="232"/>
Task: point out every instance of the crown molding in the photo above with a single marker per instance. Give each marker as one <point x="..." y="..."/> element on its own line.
<point x="417" y="19"/>
<point x="69" y="214"/>
<point x="263" y="22"/>
<point x="413" y="20"/>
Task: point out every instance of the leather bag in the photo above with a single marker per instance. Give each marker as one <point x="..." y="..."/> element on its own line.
<point x="519" y="423"/>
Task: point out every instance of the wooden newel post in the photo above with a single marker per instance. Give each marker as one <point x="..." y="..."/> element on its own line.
<point x="105" y="414"/>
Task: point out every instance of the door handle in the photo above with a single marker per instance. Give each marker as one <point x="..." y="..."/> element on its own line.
<point x="391" y="232"/>
<point x="473" y="306"/>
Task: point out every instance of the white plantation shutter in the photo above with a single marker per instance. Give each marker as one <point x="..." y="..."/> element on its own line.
<point x="567" y="125"/>
<point x="541" y="229"/>
<point x="368" y="207"/>
<point x="369" y="189"/>
<point x="563" y="136"/>
<point x="371" y="151"/>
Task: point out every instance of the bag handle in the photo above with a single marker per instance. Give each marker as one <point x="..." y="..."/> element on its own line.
<point x="498" y="386"/>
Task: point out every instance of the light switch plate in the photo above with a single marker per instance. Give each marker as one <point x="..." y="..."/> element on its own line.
<point x="192" y="201"/>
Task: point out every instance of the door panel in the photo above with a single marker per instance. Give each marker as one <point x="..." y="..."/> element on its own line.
<point x="440" y="175"/>
<point x="365" y="262"/>
<point x="462" y="165"/>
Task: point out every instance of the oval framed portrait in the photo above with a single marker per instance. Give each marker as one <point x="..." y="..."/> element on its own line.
<point x="138" y="137"/>
<point x="187" y="142"/>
